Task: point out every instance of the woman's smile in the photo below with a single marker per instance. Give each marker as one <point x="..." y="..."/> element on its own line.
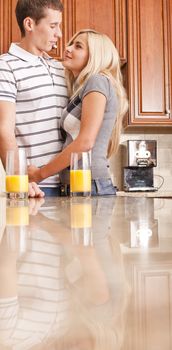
<point x="76" y="54"/>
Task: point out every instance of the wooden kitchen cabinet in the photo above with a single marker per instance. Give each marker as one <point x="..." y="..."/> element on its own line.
<point x="150" y="303"/>
<point x="109" y="18"/>
<point x="8" y="26"/>
<point x="142" y="32"/>
<point x="149" y="61"/>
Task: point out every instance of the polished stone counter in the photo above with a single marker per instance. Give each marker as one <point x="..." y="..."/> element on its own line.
<point x="86" y="274"/>
<point x="152" y="194"/>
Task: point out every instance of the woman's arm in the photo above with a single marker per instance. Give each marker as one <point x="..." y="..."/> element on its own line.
<point x="93" y="107"/>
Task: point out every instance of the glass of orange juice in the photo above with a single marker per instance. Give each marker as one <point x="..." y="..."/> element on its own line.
<point x="17" y="225"/>
<point x="81" y="221"/>
<point x="80" y="174"/>
<point x="16" y="174"/>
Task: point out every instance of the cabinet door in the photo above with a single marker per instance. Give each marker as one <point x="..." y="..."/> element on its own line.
<point x="153" y="306"/>
<point x="110" y="19"/>
<point x="9" y="30"/>
<point x="149" y="57"/>
<point x="150" y="309"/>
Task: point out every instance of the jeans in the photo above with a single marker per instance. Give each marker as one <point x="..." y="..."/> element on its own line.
<point x="52" y="191"/>
<point x="99" y="187"/>
<point x="102" y="187"/>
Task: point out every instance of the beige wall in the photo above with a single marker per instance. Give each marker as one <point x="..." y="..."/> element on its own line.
<point x="164" y="155"/>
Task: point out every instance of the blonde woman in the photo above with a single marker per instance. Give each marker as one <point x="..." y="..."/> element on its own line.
<point x="93" y="117"/>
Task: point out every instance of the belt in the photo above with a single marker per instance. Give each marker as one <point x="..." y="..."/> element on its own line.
<point x="64" y="190"/>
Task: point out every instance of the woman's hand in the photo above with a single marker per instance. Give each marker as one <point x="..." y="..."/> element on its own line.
<point x="35" y="191"/>
<point x="34" y="173"/>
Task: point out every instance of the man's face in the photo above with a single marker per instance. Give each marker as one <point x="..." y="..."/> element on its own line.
<point x="46" y="32"/>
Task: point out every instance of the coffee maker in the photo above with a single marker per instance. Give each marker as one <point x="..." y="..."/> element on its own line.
<point x="140" y="159"/>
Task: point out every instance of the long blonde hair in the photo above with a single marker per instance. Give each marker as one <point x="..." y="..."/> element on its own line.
<point x="103" y="59"/>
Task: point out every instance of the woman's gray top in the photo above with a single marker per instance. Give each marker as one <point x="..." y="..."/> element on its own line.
<point x="71" y="119"/>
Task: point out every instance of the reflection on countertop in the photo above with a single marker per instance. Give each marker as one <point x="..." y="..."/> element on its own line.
<point x="83" y="274"/>
<point x="152" y="194"/>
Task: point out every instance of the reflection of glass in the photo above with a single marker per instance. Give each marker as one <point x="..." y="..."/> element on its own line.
<point x="17" y="222"/>
<point x="18" y="215"/>
<point x="2" y="216"/>
<point x="81" y="222"/>
<point x="141" y="234"/>
<point x="143" y="226"/>
<point x="16" y="174"/>
<point x="80" y="174"/>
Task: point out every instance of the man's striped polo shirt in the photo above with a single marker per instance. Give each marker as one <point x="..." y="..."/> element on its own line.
<point x="37" y="86"/>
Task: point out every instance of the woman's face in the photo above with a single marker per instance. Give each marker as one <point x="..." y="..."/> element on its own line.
<point x="76" y="55"/>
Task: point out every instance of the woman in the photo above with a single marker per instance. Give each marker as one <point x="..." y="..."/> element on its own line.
<point x="93" y="117"/>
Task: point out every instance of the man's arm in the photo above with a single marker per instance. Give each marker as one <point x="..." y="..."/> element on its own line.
<point x="7" y="128"/>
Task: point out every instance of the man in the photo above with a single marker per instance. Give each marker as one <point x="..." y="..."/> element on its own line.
<point x="32" y="87"/>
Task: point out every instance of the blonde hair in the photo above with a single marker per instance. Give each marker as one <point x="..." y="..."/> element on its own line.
<point x="103" y="59"/>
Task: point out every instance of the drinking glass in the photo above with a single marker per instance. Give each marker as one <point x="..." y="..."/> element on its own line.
<point x="17" y="213"/>
<point x="2" y="216"/>
<point x="16" y="174"/>
<point x="81" y="221"/>
<point x="17" y="225"/>
<point x="80" y="174"/>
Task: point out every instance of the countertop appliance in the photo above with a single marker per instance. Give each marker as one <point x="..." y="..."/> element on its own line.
<point x="141" y="158"/>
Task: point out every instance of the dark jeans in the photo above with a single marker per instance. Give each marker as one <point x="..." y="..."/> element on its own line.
<point x="99" y="187"/>
<point x="102" y="187"/>
<point x="52" y="191"/>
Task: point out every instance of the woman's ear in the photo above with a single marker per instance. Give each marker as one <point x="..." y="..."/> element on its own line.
<point x="28" y="24"/>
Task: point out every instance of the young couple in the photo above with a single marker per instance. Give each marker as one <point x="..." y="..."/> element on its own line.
<point x="35" y="112"/>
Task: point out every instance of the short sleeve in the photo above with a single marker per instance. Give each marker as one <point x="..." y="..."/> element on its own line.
<point x="96" y="83"/>
<point x="8" y="89"/>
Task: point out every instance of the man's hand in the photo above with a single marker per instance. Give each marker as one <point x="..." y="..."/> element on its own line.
<point x="34" y="173"/>
<point x="34" y="205"/>
<point x="35" y="191"/>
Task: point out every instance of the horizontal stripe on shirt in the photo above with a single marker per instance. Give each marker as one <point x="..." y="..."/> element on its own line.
<point x="37" y="86"/>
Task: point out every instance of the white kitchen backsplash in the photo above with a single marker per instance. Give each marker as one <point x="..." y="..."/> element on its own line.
<point x="163" y="171"/>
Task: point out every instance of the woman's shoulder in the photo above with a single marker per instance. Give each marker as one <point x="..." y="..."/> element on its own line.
<point x="98" y="78"/>
<point x="97" y="82"/>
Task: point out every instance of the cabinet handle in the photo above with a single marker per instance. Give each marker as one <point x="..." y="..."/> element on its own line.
<point x="167" y="111"/>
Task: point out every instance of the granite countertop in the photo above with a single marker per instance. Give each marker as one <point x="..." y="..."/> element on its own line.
<point x="83" y="271"/>
<point x="154" y="194"/>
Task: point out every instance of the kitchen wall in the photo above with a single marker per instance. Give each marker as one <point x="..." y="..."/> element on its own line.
<point x="164" y="155"/>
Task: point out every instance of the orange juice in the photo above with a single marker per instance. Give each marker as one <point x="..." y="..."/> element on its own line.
<point x="81" y="215"/>
<point x="80" y="180"/>
<point x="17" y="183"/>
<point x="16" y="216"/>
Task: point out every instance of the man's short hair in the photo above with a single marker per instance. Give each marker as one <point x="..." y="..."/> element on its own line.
<point x="34" y="9"/>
